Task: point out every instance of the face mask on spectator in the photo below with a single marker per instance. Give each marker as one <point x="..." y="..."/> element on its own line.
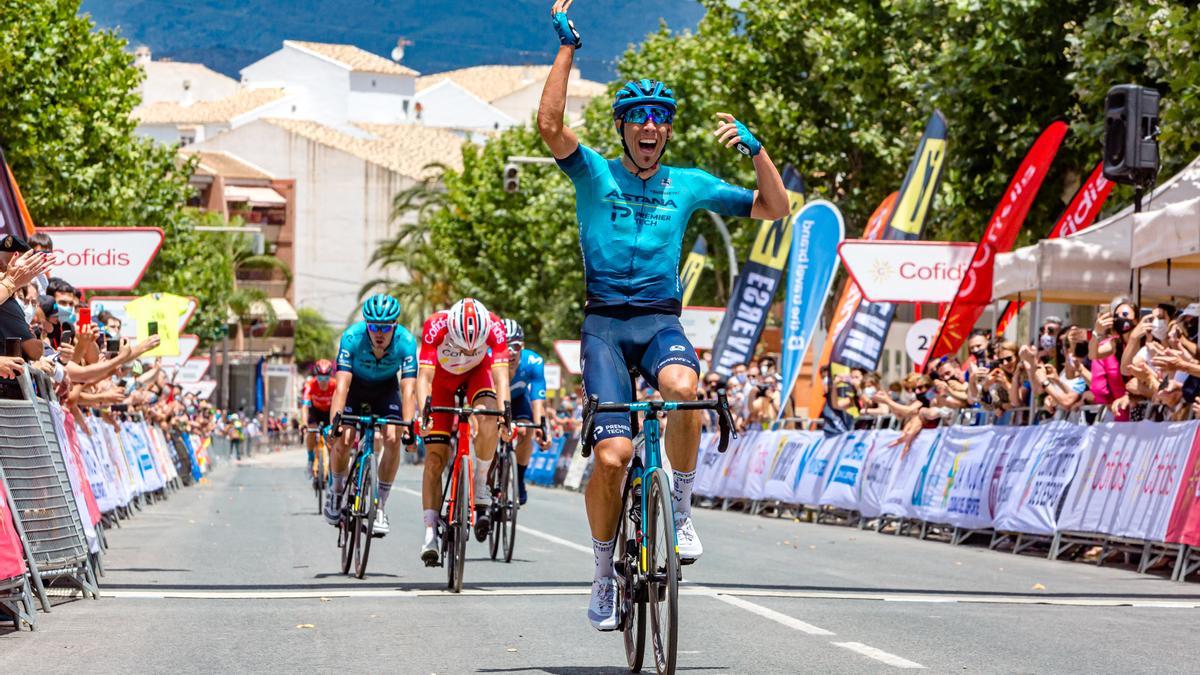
<point x="66" y="314"/>
<point x="869" y="392"/>
<point x="30" y="313"/>
<point x="1122" y="325"/>
<point x="980" y="355"/>
<point x="1046" y="342"/>
<point x="1159" y="330"/>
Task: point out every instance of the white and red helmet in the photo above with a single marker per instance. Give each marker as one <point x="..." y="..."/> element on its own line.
<point x="468" y="323"/>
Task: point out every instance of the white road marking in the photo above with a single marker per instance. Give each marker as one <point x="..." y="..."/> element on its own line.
<point x="557" y="540"/>
<point x="771" y="614"/>
<point x="878" y="654"/>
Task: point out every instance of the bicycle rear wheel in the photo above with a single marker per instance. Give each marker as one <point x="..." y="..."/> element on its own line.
<point x="633" y="601"/>
<point x="367" y="506"/>
<point x="319" y="475"/>
<point x="511" y="503"/>
<point x="495" y="485"/>
<point x="662" y="575"/>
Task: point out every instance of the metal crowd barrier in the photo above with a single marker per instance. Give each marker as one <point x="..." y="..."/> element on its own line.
<point x="51" y="529"/>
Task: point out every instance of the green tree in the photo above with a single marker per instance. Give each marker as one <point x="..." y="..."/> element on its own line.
<point x="66" y="94"/>
<point x="315" y="339"/>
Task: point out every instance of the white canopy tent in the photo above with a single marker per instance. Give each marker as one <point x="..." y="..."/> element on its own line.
<point x="1093" y="266"/>
<point x="1168" y="231"/>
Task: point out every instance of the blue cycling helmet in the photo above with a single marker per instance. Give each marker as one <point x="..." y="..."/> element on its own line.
<point x="642" y="92"/>
<point x="380" y="308"/>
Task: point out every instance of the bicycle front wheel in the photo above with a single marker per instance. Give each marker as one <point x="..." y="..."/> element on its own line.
<point x="460" y="525"/>
<point x="347" y="528"/>
<point x="662" y="573"/>
<point x="368" y="506"/>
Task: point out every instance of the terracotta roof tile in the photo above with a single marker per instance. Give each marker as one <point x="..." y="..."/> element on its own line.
<point x="492" y="83"/>
<point x="225" y="164"/>
<point x="207" y="112"/>
<point x="359" y="60"/>
<point x="407" y="149"/>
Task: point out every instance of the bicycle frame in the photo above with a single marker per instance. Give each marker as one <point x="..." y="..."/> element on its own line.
<point x="462" y="453"/>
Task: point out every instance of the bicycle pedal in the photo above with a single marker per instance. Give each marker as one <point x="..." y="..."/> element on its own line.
<point x="687" y="561"/>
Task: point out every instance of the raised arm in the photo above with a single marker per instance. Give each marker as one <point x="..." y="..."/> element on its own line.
<point x="553" y="107"/>
<point x="770" y="199"/>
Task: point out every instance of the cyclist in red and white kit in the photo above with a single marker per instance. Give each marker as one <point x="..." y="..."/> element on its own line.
<point x="464" y="345"/>
<point x="315" y="399"/>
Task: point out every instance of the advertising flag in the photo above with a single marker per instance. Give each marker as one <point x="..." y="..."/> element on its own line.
<point x="816" y="233"/>
<point x="847" y="303"/>
<point x="14" y="217"/>
<point x="756" y="284"/>
<point x="975" y="291"/>
<point x="1079" y="215"/>
<point x="696" y="261"/>
<point x="861" y="343"/>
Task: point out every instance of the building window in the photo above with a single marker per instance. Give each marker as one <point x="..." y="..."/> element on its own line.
<point x="187" y="137"/>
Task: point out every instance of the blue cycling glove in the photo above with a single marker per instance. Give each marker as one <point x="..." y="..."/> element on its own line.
<point x="748" y="145"/>
<point x="567" y="35"/>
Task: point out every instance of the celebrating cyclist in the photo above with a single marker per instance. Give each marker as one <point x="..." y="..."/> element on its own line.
<point x="632" y="212"/>
<point x="371" y="355"/>
<point x="527" y="386"/>
<point x="315" y="400"/>
<point x="463" y="346"/>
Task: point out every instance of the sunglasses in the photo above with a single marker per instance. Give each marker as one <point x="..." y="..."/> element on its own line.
<point x="1006" y="359"/>
<point x="644" y="113"/>
<point x="381" y="327"/>
<point x="323" y="379"/>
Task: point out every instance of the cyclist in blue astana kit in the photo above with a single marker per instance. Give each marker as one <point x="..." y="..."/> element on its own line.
<point x="632" y="213"/>
<point x="372" y="353"/>
<point x="527" y="387"/>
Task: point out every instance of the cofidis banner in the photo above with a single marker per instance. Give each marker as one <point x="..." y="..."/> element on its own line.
<point x="816" y="233"/>
<point x="975" y="291"/>
<point x="861" y="343"/>
<point x="756" y="284"/>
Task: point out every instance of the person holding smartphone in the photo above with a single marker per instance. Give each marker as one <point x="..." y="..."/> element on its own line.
<point x="19" y="267"/>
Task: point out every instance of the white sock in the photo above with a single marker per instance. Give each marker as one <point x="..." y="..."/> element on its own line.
<point x="604" y="556"/>
<point x="339" y="482"/>
<point x="385" y="489"/>
<point x="481" y="489"/>
<point x="681" y="492"/>
<point x="430" y="518"/>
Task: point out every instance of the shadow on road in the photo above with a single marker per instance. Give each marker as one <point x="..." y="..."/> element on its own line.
<point x="586" y="669"/>
<point x="945" y="591"/>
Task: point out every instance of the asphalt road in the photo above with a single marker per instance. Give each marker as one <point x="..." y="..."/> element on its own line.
<point x="241" y="575"/>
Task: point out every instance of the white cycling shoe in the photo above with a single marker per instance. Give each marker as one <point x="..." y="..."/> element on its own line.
<point x="431" y="550"/>
<point x="382" y="527"/>
<point x="690" y="548"/>
<point x="332" y="516"/>
<point x="602" y="608"/>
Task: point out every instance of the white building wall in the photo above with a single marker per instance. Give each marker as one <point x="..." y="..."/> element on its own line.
<point x="164" y="82"/>
<point x="383" y="99"/>
<point x="448" y="105"/>
<point x="343" y="207"/>
<point x="320" y="86"/>
<point x="523" y="103"/>
<point x="166" y="134"/>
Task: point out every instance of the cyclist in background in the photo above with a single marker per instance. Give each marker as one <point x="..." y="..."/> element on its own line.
<point x="315" y="399"/>
<point x="462" y="346"/>
<point x="527" y="386"/>
<point x="371" y="355"/>
<point x="632" y="213"/>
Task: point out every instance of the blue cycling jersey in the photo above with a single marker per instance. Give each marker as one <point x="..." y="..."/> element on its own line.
<point x="631" y="230"/>
<point x="529" y="380"/>
<point x="356" y="357"/>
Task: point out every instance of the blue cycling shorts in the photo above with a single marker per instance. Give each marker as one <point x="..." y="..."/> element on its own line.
<point x="522" y="408"/>
<point x="614" y="342"/>
<point x="375" y="398"/>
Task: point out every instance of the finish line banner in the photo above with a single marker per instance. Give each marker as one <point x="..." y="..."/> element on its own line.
<point x="755" y="288"/>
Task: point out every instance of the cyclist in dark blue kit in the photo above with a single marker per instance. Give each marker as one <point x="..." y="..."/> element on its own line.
<point x="527" y="387"/>
<point x="632" y="212"/>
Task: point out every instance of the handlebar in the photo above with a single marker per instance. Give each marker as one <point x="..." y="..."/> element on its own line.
<point x="543" y="427"/>
<point x="376" y="421"/>
<point x="721" y="405"/>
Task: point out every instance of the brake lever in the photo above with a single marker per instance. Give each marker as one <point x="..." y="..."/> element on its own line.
<point x="589" y="423"/>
